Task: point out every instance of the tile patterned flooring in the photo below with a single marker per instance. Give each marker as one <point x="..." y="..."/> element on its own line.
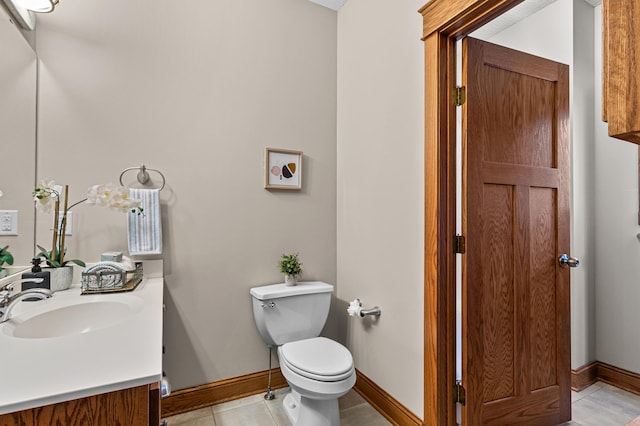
<point x="598" y="405"/>
<point x="603" y="405"/>
<point x="255" y="411"/>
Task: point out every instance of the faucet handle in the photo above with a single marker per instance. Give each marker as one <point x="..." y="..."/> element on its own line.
<point x="9" y="287"/>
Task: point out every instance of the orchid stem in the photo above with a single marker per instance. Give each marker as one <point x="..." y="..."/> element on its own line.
<point x="63" y="231"/>
<point x="55" y="230"/>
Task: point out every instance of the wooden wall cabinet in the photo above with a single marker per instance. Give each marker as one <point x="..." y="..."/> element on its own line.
<point x="137" y="406"/>
<point x="621" y="77"/>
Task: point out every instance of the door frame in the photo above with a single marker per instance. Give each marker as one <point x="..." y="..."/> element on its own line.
<point x="444" y="22"/>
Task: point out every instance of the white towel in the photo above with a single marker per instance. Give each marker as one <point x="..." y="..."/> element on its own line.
<point x="145" y="230"/>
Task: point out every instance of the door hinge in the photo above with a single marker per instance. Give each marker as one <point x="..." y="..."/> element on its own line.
<point x="459" y="394"/>
<point x="460" y="95"/>
<point x="459" y="244"/>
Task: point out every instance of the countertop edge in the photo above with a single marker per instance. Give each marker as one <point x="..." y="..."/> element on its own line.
<point x="84" y="393"/>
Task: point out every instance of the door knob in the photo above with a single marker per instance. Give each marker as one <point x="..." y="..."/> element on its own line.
<point x="568" y="262"/>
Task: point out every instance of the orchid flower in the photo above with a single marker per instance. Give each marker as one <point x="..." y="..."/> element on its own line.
<point x="107" y="195"/>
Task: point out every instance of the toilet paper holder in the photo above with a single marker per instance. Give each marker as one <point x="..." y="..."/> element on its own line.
<point x="355" y="309"/>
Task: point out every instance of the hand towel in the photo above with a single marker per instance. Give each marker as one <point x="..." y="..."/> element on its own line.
<point x="145" y="230"/>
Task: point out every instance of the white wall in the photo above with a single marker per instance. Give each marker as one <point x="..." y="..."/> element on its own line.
<point x="381" y="190"/>
<point x="546" y="33"/>
<point x="17" y="136"/>
<point x="197" y="90"/>
<point x="617" y="249"/>
<point x="583" y="235"/>
<point x="563" y="32"/>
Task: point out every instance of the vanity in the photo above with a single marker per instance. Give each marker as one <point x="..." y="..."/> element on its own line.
<point x="78" y="359"/>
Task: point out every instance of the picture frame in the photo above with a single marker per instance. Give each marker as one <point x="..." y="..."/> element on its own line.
<point x="282" y="169"/>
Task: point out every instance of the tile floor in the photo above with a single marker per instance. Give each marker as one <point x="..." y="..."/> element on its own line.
<point x="598" y="405"/>
<point x="603" y="405"/>
<point x="255" y="411"/>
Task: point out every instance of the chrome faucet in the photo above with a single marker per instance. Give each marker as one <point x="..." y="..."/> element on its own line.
<point x="9" y="287"/>
<point x="7" y="301"/>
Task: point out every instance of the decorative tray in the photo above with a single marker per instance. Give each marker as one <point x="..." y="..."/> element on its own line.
<point x="110" y="279"/>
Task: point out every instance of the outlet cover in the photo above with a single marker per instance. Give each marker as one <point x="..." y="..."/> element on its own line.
<point x="8" y="222"/>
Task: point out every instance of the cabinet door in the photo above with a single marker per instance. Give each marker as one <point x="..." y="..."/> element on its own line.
<point x="125" y="407"/>
<point x="621" y="53"/>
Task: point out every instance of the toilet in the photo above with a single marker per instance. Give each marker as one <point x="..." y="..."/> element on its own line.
<point x="318" y="370"/>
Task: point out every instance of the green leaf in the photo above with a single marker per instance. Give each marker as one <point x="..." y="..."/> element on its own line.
<point x="6" y="258"/>
<point x="76" y="261"/>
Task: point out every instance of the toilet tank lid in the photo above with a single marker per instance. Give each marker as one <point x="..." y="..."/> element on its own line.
<point x="276" y="291"/>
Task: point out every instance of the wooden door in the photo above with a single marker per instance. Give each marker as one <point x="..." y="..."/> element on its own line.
<point x="516" y="182"/>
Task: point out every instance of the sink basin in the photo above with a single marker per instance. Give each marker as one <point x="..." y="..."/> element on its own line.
<point x="73" y="319"/>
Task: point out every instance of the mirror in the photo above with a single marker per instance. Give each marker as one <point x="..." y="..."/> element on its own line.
<point x="18" y="77"/>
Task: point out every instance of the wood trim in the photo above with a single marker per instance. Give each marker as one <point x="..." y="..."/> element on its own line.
<point x="600" y="371"/>
<point x="386" y="405"/>
<point x="154" y="404"/>
<point x="619" y="378"/>
<point x="605" y="59"/>
<point x="208" y="394"/>
<point x="251" y="384"/>
<point x="443" y="22"/>
<point x="438" y="236"/>
<point x="584" y="376"/>
<point x="460" y="17"/>
<point x="622" y="54"/>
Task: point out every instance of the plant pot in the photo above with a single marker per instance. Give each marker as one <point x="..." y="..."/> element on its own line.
<point x="61" y="278"/>
<point x="291" y="279"/>
<point x="3" y="273"/>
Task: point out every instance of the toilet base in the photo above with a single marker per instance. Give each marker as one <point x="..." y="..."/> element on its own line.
<point x="303" y="411"/>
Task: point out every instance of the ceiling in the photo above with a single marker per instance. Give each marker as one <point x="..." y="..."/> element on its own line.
<point x="520" y="12"/>
<point x="331" y="4"/>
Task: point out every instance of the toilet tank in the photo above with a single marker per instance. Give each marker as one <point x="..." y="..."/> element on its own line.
<point x="288" y="313"/>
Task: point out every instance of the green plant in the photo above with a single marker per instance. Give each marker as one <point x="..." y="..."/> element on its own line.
<point x="5" y="257"/>
<point x="290" y="264"/>
<point x="57" y="261"/>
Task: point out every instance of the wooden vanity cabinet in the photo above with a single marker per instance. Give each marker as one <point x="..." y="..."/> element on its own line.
<point x="138" y="406"/>
<point x="621" y="76"/>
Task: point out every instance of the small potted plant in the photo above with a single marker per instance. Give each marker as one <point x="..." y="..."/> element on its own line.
<point x="291" y="267"/>
<point x="5" y="257"/>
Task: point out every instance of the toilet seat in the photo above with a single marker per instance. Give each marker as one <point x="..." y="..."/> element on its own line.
<point x="318" y="358"/>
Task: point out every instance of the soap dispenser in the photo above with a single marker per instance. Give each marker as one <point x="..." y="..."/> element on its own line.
<point x="37" y="272"/>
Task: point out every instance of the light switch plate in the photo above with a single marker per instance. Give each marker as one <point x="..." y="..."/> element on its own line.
<point x="8" y="222"/>
<point x="69" y="230"/>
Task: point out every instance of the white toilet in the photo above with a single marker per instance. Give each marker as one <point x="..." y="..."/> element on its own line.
<point x="318" y="370"/>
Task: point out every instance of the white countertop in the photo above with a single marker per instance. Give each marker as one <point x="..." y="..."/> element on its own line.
<point x="42" y="371"/>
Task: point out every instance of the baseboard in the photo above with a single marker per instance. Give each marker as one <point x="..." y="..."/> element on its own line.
<point x="619" y="378"/>
<point x="221" y="391"/>
<point x="600" y="371"/>
<point x="386" y="405"/>
<point x="208" y="394"/>
<point x="584" y="376"/>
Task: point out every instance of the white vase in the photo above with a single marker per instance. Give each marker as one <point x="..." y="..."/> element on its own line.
<point x="60" y="278"/>
<point x="290" y="279"/>
<point x="3" y="273"/>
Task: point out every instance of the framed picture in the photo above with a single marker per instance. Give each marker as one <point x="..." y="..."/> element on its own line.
<point x="282" y="169"/>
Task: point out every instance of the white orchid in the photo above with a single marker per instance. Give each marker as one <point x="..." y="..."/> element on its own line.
<point x="45" y="193"/>
<point x="48" y="193"/>
<point x="113" y="196"/>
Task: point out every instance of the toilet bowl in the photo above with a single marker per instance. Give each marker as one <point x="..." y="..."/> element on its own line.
<point x="317" y="369"/>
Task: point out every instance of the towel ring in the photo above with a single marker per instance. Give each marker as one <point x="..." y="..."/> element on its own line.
<point x="143" y="175"/>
